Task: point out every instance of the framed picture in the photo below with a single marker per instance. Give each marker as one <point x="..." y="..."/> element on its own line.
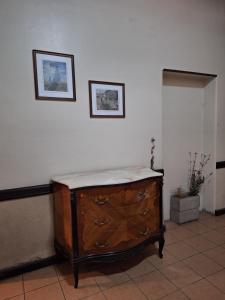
<point x="107" y="99"/>
<point x="54" y="76"/>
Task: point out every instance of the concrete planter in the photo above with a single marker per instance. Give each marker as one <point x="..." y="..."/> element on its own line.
<point x="185" y="209"/>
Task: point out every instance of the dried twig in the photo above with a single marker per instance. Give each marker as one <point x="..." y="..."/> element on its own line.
<point x="152" y="153"/>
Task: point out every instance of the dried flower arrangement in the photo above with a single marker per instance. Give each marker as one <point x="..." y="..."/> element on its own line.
<point x="152" y="153"/>
<point x="196" y="172"/>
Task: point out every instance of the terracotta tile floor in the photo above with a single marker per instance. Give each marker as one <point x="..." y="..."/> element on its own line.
<point x="193" y="267"/>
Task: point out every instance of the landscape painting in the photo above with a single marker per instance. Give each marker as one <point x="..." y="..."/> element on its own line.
<point x="107" y="99"/>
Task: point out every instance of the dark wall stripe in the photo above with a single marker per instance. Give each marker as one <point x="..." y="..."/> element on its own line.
<point x="220" y="164"/>
<point x="24" y="192"/>
<point x="38" y="190"/>
<point x="219" y="212"/>
<point x="29" y="266"/>
<point x="188" y="72"/>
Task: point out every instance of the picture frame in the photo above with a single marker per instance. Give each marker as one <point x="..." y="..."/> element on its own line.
<point x="54" y="76"/>
<point x="106" y="99"/>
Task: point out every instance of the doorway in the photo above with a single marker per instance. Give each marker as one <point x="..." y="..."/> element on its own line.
<point x="189" y="126"/>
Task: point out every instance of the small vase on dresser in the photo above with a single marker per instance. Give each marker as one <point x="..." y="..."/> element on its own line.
<point x="107" y="215"/>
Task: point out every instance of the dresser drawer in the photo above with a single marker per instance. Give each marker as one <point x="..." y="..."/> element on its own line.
<point x="139" y="192"/>
<point x="142" y="227"/>
<point x="110" y="218"/>
<point x="143" y="221"/>
<point x="95" y="242"/>
<point x="103" y="198"/>
<point x="100" y="208"/>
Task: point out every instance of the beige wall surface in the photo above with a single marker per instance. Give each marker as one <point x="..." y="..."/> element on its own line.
<point x="128" y="41"/>
<point x="182" y="133"/>
<point x="26" y="230"/>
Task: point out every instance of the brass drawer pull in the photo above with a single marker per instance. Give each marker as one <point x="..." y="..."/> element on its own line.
<point x="146" y="232"/>
<point x="145" y="212"/>
<point x="101" y="246"/>
<point x="142" y="195"/>
<point x="101" y="223"/>
<point x="101" y="201"/>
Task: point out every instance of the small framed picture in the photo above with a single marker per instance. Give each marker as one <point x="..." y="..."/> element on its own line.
<point x="107" y="99"/>
<point x="54" y="76"/>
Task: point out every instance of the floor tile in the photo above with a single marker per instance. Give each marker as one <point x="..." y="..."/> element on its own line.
<point x="154" y="285"/>
<point x="98" y="296"/>
<point x="196" y="227"/>
<point x="50" y="292"/>
<point x="142" y="277"/>
<point x="108" y="275"/>
<point x="221" y="229"/>
<point x="180" y="275"/>
<point x="171" y="225"/>
<point x="182" y="233"/>
<point x="202" y="265"/>
<point x="135" y="267"/>
<point x="215" y="236"/>
<point x="212" y="222"/>
<point x="217" y="254"/>
<point x="151" y="249"/>
<point x="170" y="238"/>
<point x="203" y="290"/>
<point x="205" y="215"/>
<point x="11" y="287"/>
<point x="175" y="296"/>
<point x="39" y="278"/>
<point x="125" y="291"/>
<point x="21" y="297"/>
<point x="221" y="220"/>
<point x="86" y="287"/>
<point x="199" y="243"/>
<point x="180" y="250"/>
<point x="221" y="216"/>
<point x="63" y="270"/>
<point x="167" y="259"/>
<point x="218" y="280"/>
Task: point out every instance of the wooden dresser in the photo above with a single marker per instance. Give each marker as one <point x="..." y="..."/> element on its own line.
<point x="105" y="216"/>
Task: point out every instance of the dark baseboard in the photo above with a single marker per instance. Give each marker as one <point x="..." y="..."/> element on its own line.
<point x="29" y="266"/>
<point x="219" y="212"/>
<point x="32" y="191"/>
<point x="190" y="73"/>
<point x="45" y="189"/>
<point x="220" y="164"/>
<point x="25" y="192"/>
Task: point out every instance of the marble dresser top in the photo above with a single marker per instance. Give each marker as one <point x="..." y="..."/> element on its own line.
<point x="105" y="177"/>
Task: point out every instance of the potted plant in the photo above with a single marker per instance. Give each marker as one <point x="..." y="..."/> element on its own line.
<point x="184" y="206"/>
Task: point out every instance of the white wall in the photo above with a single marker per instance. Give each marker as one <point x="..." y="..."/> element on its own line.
<point x="220" y="189"/>
<point x="209" y="146"/>
<point x="128" y="41"/>
<point x="182" y="133"/>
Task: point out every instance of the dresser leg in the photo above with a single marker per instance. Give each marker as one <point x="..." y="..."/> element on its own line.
<point x="75" y="275"/>
<point x="161" y="244"/>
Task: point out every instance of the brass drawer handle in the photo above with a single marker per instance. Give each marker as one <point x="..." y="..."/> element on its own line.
<point x="101" y="223"/>
<point x="101" y="246"/>
<point x="145" y="212"/>
<point x="145" y="232"/>
<point x="102" y="201"/>
<point x="142" y="195"/>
